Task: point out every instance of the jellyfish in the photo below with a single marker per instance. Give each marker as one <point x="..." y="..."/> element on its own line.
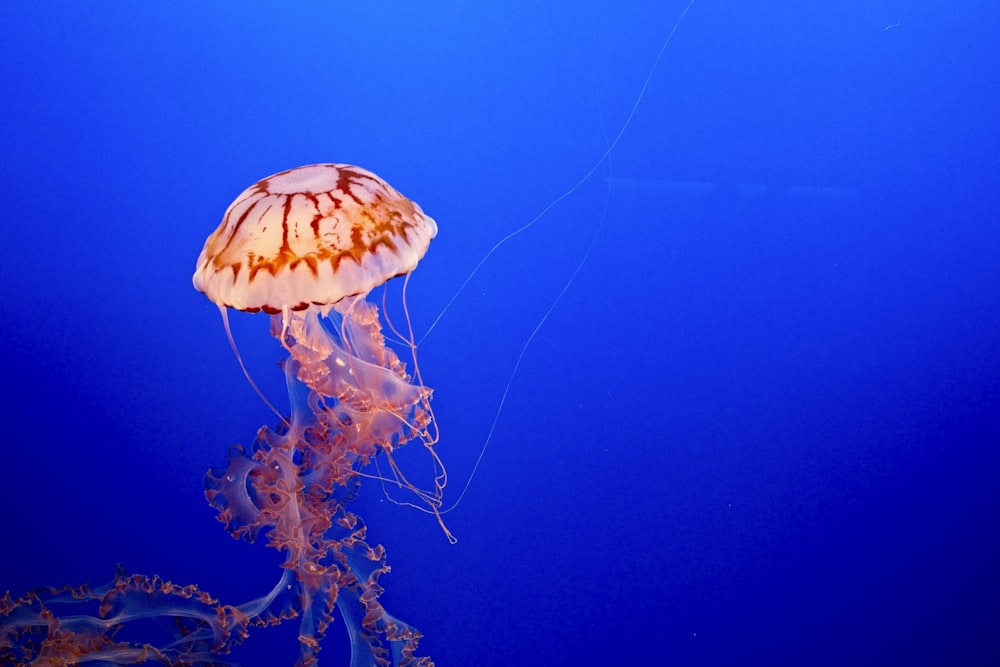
<point x="307" y="246"/>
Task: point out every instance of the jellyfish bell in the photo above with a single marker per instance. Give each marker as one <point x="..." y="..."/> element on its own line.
<point x="311" y="236"/>
<point x="306" y="246"/>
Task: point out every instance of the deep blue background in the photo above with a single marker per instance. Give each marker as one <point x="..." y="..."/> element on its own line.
<point x="761" y="427"/>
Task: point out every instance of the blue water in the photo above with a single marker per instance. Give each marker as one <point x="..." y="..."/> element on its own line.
<point x="762" y="426"/>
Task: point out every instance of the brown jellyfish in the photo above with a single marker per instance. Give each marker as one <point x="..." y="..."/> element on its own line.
<point x="307" y="245"/>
